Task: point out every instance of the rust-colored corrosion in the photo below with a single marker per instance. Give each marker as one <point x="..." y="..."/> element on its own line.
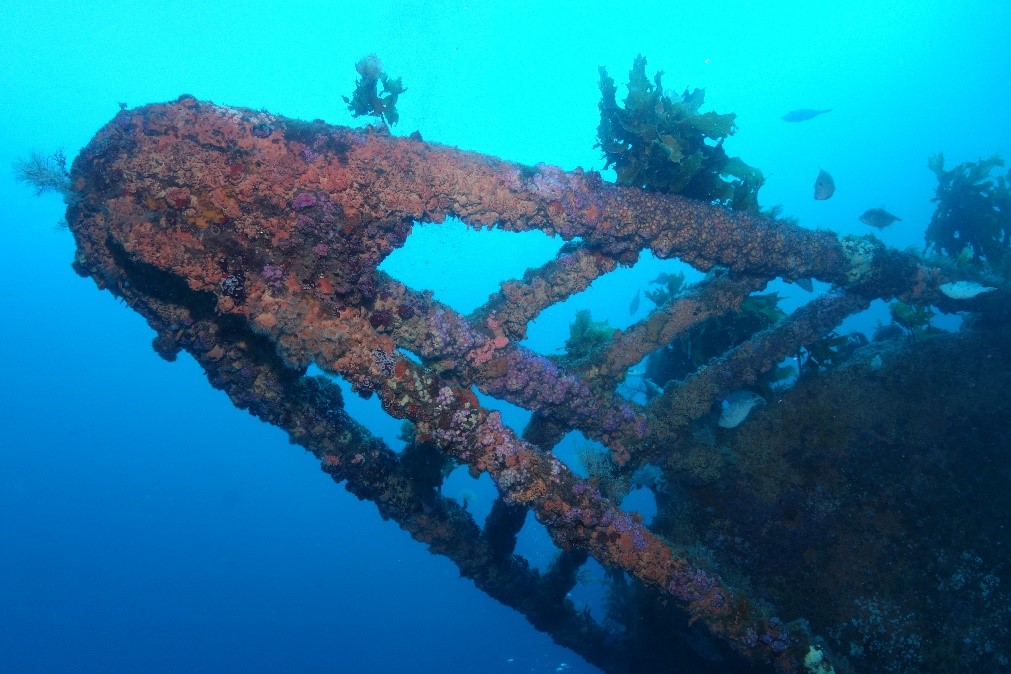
<point x="215" y="221"/>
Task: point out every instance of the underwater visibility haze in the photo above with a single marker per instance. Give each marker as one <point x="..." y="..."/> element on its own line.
<point x="505" y="337"/>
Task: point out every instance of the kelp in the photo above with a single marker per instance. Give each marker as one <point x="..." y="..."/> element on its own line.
<point x="366" y="100"/>
<point x="973" y="214"/>
<point x="585" y="336"/>
<point x="664" y="143"/>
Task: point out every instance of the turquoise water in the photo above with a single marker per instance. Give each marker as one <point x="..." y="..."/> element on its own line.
<point x="147" y="525"/>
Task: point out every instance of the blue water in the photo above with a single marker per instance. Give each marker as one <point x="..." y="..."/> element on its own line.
<point x="148" y="526"/>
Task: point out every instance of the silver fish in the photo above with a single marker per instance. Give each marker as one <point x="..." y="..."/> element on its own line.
<point x="878" y="217"/>
<point x="803" y="114"/>
<point x="736" y="407"/>
<point x="824" y="186"/>
<point x="651" y="387"/>
<point x="634" y="307"/>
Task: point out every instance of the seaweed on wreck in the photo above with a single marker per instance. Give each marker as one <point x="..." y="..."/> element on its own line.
<point x="367" y="100"/>
<point x="663" y="142"/>
<point x="586" y="336"/>
<point x="915" y="318"/>
<point x="972" y="219"/>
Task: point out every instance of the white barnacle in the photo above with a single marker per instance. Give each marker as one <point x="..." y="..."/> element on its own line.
<point x="860" y="255"/>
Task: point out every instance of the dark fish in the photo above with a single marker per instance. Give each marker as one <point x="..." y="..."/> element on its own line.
<point x="824" y="186"/>
<point x="805" y="284"/>
<point x="803" y="114"/>
<point x="878" y="217"/>
<point x="673" y="282"/>
<point x="635" y="302"/>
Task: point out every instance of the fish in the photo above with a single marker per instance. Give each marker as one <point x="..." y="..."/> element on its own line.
<point x="647" y="386"/>
<point x="964" y="290"/>
<point x="803" y="114"/>
<point x="651" y="387"/>
<point x="736" y="407"/>
<point x="824" y="186"/>
<point x="878" y="217"/>
<point x="805" y="284"/>
<point x="634" y="307"/>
